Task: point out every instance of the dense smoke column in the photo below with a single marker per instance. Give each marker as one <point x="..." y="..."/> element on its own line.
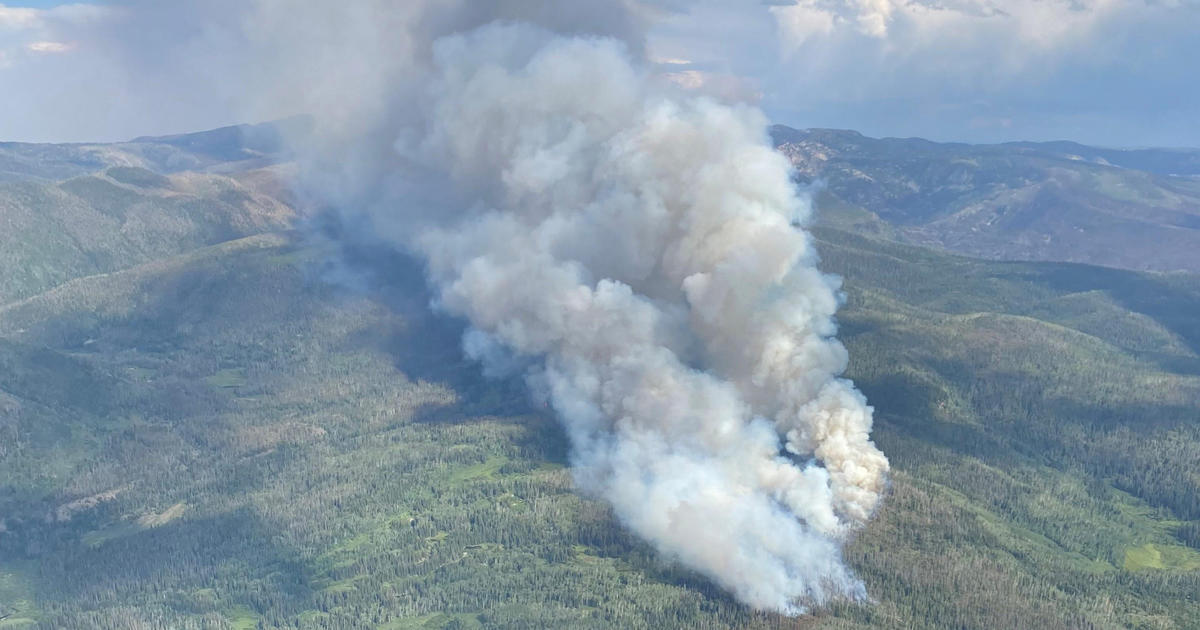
<point x="641" y="242"/>
<point x="633" y="242"/>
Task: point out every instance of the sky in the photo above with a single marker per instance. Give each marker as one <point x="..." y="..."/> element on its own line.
<point x="1105" y="72"/>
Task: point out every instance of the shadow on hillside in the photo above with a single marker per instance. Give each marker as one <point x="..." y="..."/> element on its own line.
<point x="1188" y="366"/>
<point x="1154" y="296"/>
<point x="429" y="345"/>
<point x="176" y="564"/>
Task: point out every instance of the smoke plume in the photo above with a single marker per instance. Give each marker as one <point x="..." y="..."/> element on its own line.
<point x="642" y="244"/>
<point x="634" y="242"/>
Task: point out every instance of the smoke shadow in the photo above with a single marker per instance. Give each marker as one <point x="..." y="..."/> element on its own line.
<point x="428" y="347"/>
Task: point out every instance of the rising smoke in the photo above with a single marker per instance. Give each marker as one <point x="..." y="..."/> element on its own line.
<point x="634" y="242"/>
<point x="642" y="243"/>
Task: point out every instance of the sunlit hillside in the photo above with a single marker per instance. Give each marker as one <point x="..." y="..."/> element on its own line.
<point x="229" y="424"/>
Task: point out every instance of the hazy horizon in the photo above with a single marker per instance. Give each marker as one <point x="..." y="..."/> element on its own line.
<point x="1111" y="73"/>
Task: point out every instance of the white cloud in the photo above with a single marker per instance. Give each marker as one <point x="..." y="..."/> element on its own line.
<point x="904" y="26"/>
<point x="19" y="18"/>
<point x="902" y="46"/>
<point x="1104" y="71"/>
<point x="28" y="18"/>
<point x="803" y="23"/>
<point x="49" y="47"/>
<point x="43" y="30"/>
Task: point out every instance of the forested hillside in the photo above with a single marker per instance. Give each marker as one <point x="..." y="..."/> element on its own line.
<point x="263" y="428"/>
<point x="1052" y="201"/>
<point x="73" y="210"/>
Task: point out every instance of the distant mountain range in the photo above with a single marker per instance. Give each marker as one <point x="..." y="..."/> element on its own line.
<point x="1039" y="201"/>
<point x="1053" y="201"/>
<point x="226" y="150"/>
<point x="71" y="210"/>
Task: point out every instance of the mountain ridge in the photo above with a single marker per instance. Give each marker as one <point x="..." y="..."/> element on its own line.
<point x="1015" y="201"/>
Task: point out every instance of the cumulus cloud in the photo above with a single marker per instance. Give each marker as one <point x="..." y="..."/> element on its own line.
<point x="1054" y="68"/>
<point x="1033" y="25"/>
<point x="1102" y="71"/>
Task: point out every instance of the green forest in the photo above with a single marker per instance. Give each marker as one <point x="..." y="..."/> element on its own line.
<point x="235" y="438"/>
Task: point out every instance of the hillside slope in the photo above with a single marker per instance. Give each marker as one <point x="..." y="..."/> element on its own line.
<point x="224" y="150"/>
<point x="1059" y="201"/>
<point x="227" y="440"/>
<point x="210" y="421"/>
<point x="51" y="232"/>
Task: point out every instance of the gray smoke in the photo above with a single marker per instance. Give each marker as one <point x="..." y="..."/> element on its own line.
<point x="632" y="241"/>
<point x="641" y="242"/>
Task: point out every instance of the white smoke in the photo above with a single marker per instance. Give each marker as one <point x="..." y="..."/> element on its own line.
<point x="642" y="242"/>
<point x="633" y="241"/>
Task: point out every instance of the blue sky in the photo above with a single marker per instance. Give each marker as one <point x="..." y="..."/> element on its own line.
<point x="46" y="4"/>
<point x="1108" y="72"/>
